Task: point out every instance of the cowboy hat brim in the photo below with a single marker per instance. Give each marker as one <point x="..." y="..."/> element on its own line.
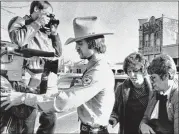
<point x="70" y="40"/>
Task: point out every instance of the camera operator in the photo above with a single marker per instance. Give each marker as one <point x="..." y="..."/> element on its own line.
<point x="38" y="31"/>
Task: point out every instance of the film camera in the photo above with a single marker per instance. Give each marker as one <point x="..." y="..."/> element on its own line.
<point x="52" y="21"/>
<point x="12" y="64"/>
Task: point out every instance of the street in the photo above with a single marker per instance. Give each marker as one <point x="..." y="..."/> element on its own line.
<point x="67" y="122"/>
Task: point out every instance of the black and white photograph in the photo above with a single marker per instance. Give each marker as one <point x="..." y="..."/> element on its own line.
<point x="89" y="67"/>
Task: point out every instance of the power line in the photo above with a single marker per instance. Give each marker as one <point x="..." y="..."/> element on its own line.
<point x="7" y="10"/>
<point x="171" y="18"/>
<point x="15" y="6"/>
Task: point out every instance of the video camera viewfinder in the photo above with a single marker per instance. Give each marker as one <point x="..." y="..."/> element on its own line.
<point x="52" y="21"/>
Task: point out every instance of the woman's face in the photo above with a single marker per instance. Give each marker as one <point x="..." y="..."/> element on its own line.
<point x="136" y="76"/>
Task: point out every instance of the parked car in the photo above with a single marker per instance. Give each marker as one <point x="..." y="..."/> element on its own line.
<point x="66" y="80"/>
<point x="119" y="79"/>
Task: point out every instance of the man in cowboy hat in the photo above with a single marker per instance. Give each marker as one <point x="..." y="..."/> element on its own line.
<point x="94" y="99"/>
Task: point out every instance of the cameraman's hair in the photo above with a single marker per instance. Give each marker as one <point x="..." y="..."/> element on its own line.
<point x="97" y="43"/>
<point x="40" y="5"/>
<point x="135" y="60"/>
<point x="164" y="66"/>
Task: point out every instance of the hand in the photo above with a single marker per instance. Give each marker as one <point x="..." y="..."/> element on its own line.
<point x="113" y="122"/>
<point x="43" y="19"/>
<point x="53" y="29"/>
<point x="35" y="64"/>
<point x="11" y="99"/>
<point x="146" y="129"/>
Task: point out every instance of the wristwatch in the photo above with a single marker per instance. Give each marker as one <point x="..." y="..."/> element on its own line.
<point x="23" y="98"/>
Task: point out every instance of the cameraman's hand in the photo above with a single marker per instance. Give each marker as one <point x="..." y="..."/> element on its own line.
<point x="43" y="19"/>
<point x="53" y="29"/>
<point x="35" y="64"/>
<point x="146" y="129"/>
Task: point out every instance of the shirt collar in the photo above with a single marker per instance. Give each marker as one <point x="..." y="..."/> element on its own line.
<point x="94" y="59"/>
<point x="167" y="92"/>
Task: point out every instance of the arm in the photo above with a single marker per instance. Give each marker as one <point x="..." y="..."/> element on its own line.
<point x="150" y="105"/>
<point x="144" y="128"/>
<point x="20" y="33"/>
<point x="52" y="87"/>
<point x="118" y="102"/>
<point x="93" y="83"/>
<point x="57" y="45"/>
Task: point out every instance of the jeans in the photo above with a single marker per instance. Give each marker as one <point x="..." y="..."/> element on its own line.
<point x="17" y="126"/>
<point x="47" y="123"/>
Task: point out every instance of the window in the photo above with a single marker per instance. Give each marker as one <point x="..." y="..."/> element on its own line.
<point x="158" y="42"/>
<point x="114" y="71"/>
<point x="146" y="40"/>
<point x="152" y="39"/>
<point x="120" y="71"/>
<point x="157" y="39"/>
<point x="77" y="70"/>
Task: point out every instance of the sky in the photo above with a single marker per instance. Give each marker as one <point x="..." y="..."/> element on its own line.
<point x="121" y="18"/>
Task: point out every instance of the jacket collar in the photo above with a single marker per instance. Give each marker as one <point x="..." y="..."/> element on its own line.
<point x="28" y="19"/>
<point x="128" y="85"/>
<point x="93" y="60"/>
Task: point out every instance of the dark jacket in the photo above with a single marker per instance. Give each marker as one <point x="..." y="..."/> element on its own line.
<point x="121" y="98"/>
<point x="172" y="108"/>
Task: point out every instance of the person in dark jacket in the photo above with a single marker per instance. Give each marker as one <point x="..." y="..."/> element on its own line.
<point x="131" y="97"/>
<point x="33" y="31"/>
<point x="161" y="116"/>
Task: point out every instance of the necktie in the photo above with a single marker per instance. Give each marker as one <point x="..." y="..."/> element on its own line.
<point x="162" y="107"/>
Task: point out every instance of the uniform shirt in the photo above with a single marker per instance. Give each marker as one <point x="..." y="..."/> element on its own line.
<point x="94" y="99"/>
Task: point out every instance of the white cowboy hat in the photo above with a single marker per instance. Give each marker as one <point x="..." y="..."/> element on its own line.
<point x="85" y="27"/>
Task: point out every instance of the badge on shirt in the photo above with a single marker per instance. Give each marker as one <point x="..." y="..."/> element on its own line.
<point x="169" y="105"/>
<point x="87" y="80"/>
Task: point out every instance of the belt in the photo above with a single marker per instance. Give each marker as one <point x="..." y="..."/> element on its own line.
<point x="87" y="128"/>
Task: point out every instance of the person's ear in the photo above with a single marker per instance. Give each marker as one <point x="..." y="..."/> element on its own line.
<point x="170" y="76"/>
<point x="166" y="77"/>
<point x="36" y="9"/>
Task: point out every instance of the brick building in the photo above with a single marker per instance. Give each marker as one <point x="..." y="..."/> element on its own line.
<point x="159" y="35"/>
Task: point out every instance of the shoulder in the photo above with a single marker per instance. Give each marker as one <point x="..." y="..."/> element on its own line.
<point x="127" y="83"/>
<point x="174" y="95"/>
<point x="102" y="63"/>
<point x="16" y="20"/>
<point x="100" y="66"/>
<point x="123" y="85"/>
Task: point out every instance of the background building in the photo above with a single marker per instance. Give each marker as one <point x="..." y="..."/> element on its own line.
<point x="159" y="35"/>
<point x="79" y="67"/>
